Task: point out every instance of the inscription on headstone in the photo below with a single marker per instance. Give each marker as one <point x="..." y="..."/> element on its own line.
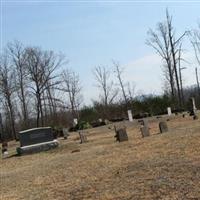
<point x="121" y="134"/>
<point x="163" y="127"/>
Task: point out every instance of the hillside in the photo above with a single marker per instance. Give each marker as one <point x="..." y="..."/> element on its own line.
<point x="162" y="166"/>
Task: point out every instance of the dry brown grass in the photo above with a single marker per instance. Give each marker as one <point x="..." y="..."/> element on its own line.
<point x="164" y="166"/>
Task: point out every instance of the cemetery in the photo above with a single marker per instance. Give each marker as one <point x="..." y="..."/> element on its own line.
<point x="99" y="100"/>
<point x="121" y="160"/>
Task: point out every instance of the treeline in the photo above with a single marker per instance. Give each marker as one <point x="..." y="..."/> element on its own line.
<point x="34" y="86"/>
<point x="141" y="106"/>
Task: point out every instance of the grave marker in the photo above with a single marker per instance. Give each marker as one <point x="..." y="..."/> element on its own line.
<point x="4" y="148"/>
<point x="193" y="105"/>
<point x="65" y="133"/>
<point x="144" y="131"/>
<point x="130" y="116"/>
<point x="144" y="127"/>
<point x="83" y="137"/>
<point x="169" y="111"/>
<point x="36" y="140"/>
<point x="121" y="134"/>
<point x="163" y="127"/>
<point x="75" y="121"/>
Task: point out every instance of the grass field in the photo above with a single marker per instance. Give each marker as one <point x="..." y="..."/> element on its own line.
<point x="162" y="166"/>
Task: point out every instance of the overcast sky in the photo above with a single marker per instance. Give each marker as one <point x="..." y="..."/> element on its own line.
<point x="92" y="33"/>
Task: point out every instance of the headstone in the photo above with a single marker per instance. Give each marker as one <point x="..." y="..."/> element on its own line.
<point x="100" y="120"/>
<point x="75" y="121"/>
<point x="144" y="131"/>
<point x="36" y="140"/>
<point x="193" y="105"/>
<point x="4" y="148"/>
<point x="144" y="128"/>
<point x="121" y="135"/>
<point x="143" y="122"/>
<point x="169" y="111"/>
<point x="195" y="117"/>
<point x="106" y="121"/>
<point x="83" y="137"/>
<point x="65" y="133"/>
<point x="163" y="127"/>
<point x="130" y="116"/>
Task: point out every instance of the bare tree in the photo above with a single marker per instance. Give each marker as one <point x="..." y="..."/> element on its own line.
<point x="72" y="86"/>
<point x="119" y="72"/>
<point x="105" y="84"/>
<point x="160" y="42"/>
<point x="131" y="91"/>
<point x="174" y="44"/>
<point x="197" y="79"/>
<point x="195" y="40"/>
<point x="18" y="57"/>
<point x="167" y="46"/>
<point x="7" y="89"/>
<point x="41" y="67"/>
<point x="180" y="73"/>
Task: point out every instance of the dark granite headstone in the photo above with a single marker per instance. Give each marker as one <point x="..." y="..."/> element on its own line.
<point x="36" y="140"/>
<point x="195" y="117"/>
<point x="35" y="136"/>
<point x="83" y="137"/>
<point x="121" y="135"/>
<point x="163" y="127"/>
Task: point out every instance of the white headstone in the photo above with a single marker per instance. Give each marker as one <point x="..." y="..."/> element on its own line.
<point x="193" y="104"/>
<point x="130" y="117"/>
<point x="5" y="153"/>
<point x="75" y="121"/>
<point x="169" y="111"/>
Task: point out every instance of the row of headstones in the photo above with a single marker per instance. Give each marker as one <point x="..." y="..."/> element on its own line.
<point x="121" y="134"/>
<point x="169" y="111"/>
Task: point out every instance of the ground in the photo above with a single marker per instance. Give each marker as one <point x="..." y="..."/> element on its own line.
<point x="162" y="166"/>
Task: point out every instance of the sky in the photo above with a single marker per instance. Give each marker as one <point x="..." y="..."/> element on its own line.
<point x="93" y="33"/>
